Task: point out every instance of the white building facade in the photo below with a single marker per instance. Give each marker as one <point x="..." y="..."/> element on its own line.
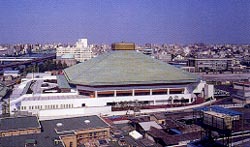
<point x="81" y="51"/>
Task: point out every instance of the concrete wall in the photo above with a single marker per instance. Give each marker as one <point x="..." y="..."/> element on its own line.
<point x="73" y="112"/>
<point x="49" y="104"/>
<point x="209" y="91"/>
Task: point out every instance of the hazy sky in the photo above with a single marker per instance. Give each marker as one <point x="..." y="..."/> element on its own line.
<point x="139" y="21"/>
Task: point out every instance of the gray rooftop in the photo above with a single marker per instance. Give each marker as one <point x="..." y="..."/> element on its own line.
<point x="77" y="123"/>
<point x="44" y="139"/>
<point x="50" y="130"/>
<point x="62" y="82"/>
<point x="125" y="68"/>
<point x="147" y="125"/>
<point x="18" y="123"/>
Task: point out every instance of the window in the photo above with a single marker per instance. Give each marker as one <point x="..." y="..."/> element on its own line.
<point x="111" y="103"/>
<point x="142" y="92"/>
<point x="105" y="94"/>
<point x="159" y="91"/>
<point x="124" y="93"/>
<point x="176" y="91"/>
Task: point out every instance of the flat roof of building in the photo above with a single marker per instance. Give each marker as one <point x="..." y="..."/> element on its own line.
<point x="57" y="96"/>
<point x="46" y="138"/>
<point x="219" y="109"/>
<point x="147" y="125"/>
<point x="77" y="123"/>
<point x="124" y="67"/>
<point x="18" y="123"/>
<point x="51" y="130"/>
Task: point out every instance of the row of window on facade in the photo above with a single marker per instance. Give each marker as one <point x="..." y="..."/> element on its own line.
<point x="140" y="92"/>
<point x="133" y="92"/>
<point x="39" y="107"/>
<point x="92" y="134"/>
<point x="20" y="132"/>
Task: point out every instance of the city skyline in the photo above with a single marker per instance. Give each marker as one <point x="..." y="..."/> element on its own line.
<point x="171" y="21"/>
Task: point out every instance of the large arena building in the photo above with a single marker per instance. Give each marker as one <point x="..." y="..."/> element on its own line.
<point x="121" y="78"/>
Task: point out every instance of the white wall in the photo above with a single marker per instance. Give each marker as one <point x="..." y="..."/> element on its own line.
<point x="209" y="91"/>
<point x="61" y="105"/>
<point x="74" y="112"/>
<point x="199" y="87"/>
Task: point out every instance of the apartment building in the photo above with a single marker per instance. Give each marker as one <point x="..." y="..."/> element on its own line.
<point x="81" y="51"/>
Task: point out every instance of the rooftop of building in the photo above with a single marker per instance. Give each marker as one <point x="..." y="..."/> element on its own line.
<point x="206" y="143"/>
<point x="54" y="96"/>
<point x="18" y="123"/>
<point x="218" y="109"/>
<point x="47" y="137"/>
<point x="51" y="130"/>
<point x="77" y="124"/>
<point x="169" y="140"/>
<point x="126" y="67"/>
<point x="147" y="125"/>
<point x="123" y="46"/>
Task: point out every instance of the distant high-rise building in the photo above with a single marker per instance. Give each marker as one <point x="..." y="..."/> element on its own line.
<point x="81" y="51"/>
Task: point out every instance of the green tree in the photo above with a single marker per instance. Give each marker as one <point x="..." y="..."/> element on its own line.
<point x="64" y="65"/>
<point x="59" y="65"/>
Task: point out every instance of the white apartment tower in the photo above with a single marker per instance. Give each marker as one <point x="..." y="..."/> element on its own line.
<point x="81" y="50"/>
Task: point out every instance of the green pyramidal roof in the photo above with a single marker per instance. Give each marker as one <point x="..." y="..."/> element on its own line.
<point x="125" y="68"/>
